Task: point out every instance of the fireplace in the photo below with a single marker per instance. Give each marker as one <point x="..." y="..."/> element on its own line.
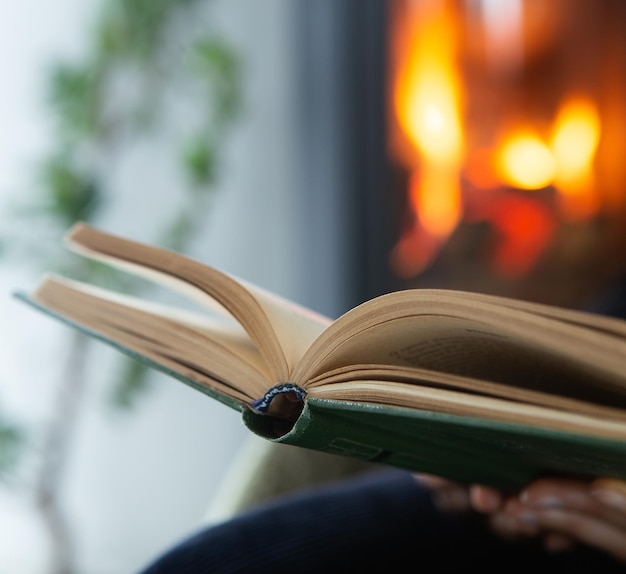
<point x="507" y="125"/>
<point x="487" y="144"/>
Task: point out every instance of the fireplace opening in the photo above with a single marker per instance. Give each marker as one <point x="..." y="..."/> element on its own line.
<point x="506" y="140"/>
<point x="465" y="144"/>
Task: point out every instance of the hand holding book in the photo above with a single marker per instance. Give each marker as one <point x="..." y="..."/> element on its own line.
<point x="561" y="512"/>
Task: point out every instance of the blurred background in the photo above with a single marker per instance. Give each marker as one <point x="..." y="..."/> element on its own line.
<point x="327" y="150"/>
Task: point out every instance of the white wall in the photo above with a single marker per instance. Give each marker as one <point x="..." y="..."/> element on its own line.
<point x="138" y="482"/>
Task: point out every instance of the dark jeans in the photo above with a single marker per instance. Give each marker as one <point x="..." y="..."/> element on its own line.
<point x="384" y="520"/>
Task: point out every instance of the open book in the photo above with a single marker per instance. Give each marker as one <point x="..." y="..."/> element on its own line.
<point x="468" y="386"/>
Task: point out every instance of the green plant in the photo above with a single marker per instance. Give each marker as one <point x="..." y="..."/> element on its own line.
<point x="143" y="54"/>
<point x="11" y="441"/>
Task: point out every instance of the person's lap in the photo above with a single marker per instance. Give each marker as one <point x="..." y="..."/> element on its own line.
<point x="382" y="520"/>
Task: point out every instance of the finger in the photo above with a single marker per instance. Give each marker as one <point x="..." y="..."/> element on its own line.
<point x="504" y="526"/>
<point x="448" y="496"/>
<point x="485" y="499"/>
<point x="512" y="527"/>
<point x="610" y="492"/>
<point x="600" y="502"/>
<point x="434" y="482"/>
<point x="512" y="521"/>
<point x="584" y="528"/>
<point x="547" y="487"/>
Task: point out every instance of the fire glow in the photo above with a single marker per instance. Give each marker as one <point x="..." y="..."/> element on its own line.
<point x="507" y="177"/>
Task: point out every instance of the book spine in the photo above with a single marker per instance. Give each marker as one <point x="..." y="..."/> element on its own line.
<point x="262" y="405"/>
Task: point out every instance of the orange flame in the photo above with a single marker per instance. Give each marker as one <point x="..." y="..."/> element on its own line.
<point x="432" y="139"/>
<point x="525" y="162"/>
<point x="574" y="144"/>
<point x="427" y="107"/>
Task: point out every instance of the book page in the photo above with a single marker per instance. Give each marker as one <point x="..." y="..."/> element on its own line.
<point x="485" y="408"/>
<point x="486" y="341"/>
<point x="282" y="330"/>
<point x="295" y="325"/>
<point x="602" y="323"/>
<point x="224" y="360"/>
<point x="382" y="374"/>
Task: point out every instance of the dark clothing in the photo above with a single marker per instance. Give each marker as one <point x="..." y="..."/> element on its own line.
<point x="383" y="520"/>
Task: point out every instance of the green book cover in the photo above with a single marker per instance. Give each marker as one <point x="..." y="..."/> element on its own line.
<point x="462" y="448"/>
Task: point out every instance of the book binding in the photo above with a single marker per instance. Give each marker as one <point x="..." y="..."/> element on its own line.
<point x="262" y="405"/>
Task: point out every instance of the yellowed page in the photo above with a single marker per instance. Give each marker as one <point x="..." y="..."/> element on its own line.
<point x="613" y="407"/>
<point x="602" y="323"/>
<point x="221" y="359"/>
<point x="441" y="331"/>
<point x="281" y="329"/>
<point x="457" y="403"/>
